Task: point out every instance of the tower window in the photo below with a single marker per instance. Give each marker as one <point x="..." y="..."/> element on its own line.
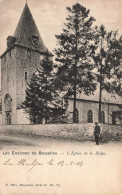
<point x="35" y="40"/>
<point x="90" y="117"/>
<point x="10" y="52"/>
<point x="26" y="75"/>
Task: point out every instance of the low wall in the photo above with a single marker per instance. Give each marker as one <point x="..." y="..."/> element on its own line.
<point x="84" y="131"/>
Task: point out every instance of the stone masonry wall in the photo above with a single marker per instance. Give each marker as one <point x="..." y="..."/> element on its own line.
<point x="25" y="62"/>
<point x="8" y="78"/>
<point x="81" y="132"/>
<point x="14" y="64"/>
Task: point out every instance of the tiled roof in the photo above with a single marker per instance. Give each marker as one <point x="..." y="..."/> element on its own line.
<point x="106" y="97"/>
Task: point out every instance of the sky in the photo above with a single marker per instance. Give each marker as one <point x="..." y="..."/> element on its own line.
<point x="50" y="15"/>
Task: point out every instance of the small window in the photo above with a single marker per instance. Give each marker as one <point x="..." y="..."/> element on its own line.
<point x="90" y="117"/>
<point x="10" y="52"/>
<point x="35" y="41"/>
<point x="25" y="75"/>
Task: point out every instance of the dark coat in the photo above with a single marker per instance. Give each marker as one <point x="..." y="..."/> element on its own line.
<point x="97" y="130"/>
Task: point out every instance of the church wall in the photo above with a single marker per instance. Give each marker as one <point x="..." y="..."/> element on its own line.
<point x="24" y="64"/>
<point x="14" y="64"/>
<point x="84" y="106"/>
<point x="22" y="117"/>
<point x="112" y="108"/>
<point x="70" y="110"/>
<point x="8" y="77"/>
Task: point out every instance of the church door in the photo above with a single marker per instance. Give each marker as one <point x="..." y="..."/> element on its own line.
<point x="8" y="119"/>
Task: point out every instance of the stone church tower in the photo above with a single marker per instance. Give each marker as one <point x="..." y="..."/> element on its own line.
<point x="25" y="50"/>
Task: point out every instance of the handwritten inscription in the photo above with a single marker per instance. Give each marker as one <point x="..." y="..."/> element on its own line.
<point x="36" y="162"/>
<point x="52" y="161"/>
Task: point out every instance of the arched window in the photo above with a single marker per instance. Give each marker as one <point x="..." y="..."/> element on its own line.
<point x="8" y="119"/>
<point x="90" y="117"/>
<point x="102" y="117"/>
<point x="8" y="103"/>
<point x="76" y="116"/>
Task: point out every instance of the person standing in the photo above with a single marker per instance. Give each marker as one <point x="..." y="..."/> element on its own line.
<point x="97" y="133"/>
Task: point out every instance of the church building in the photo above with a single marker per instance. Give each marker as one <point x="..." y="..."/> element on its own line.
<point x="24" y="53"/>
<point x="25" y="50"/>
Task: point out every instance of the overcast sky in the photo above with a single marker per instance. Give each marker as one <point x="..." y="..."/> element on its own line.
<point x="50" y="15"/>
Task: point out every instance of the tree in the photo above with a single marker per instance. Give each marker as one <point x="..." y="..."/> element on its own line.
<point x="73" y="54"/>
<point x="106" y="53"/>
<point x="42" y="101"/>
<point x="32" y="104"/>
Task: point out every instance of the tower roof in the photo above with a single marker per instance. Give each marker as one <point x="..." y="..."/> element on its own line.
<point x="27" y="33"/>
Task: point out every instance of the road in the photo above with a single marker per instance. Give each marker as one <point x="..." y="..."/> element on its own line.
<point x="11" y="141"/>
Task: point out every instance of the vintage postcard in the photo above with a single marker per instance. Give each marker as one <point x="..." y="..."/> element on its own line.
<point x="60" y="97"/>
